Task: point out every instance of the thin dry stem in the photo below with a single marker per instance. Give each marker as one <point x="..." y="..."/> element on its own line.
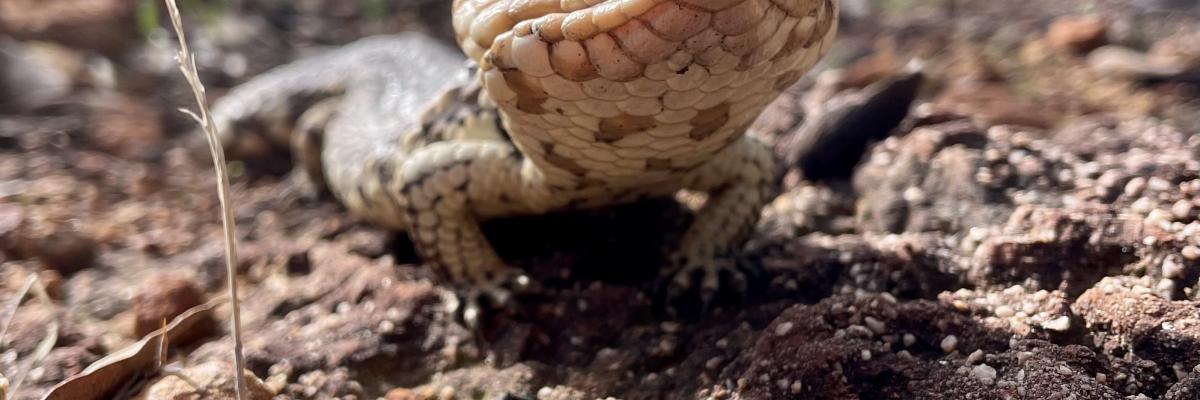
<point x="187" y="65"/>
<point x="34" y="285"/>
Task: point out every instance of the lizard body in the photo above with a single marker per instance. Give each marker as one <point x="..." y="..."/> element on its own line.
<point x="571" y="104"/>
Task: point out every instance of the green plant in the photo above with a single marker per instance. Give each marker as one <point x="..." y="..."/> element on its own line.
<point x="149" y="12"/>
<point x="374" y="10"/>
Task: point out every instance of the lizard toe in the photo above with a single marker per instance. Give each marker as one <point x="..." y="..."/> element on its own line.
<point x="701" y="286"/>
<point x="475" y="304"/>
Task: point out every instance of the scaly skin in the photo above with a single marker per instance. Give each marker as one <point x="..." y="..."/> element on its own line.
<point x="584" y="103"/>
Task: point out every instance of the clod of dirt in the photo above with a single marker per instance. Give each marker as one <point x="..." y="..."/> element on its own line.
<point x="1126" y="316"/>
<point x="162" y="298"/>
<point x="1057" y="249"/>
<point x="1178" y="48"/>
<point x="1024" y="312"/>
<point x="1078" y="34"/>
<point x="347" y="313"/>
<point x="127" y="127"/>
<point x="58" y="244"/>
<point x="103" y="25"/>
<point x="873" y="347"/>
<point x="1188" y="388"/>
<point x="1125" y="62"/>
<point x="995" y="104"/>
<point x="53" y="282"/>
<point x="10" y="220"/>
<point x="211" y="380"/>
<point x="401" y="394"/>
<point x="41" y="74"/>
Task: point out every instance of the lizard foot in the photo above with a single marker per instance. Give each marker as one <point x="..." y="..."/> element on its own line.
<point x="699" y="285"/>
<point x="474" y="303"/>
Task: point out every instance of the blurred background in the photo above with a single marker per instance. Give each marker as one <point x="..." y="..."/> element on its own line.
<point x="1049" y="156"/>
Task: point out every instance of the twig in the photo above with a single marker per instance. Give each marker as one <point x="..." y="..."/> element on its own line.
<point x="24" y="291"/>
<point x="34" y="284"/>
<point x="187" y="65"/>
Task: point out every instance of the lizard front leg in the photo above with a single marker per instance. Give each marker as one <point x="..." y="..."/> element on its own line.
<point x="740" y="181"/>
<point x="442" y="189"/>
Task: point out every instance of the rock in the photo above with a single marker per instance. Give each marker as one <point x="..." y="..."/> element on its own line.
<point x="103" y="25"/>
<point x="994" y="104"/>
<point x="65" y="362"/>
<point x="127" y="127"/>
<point x="1078" y="34"/>
<point x="164" y="297"/>
<point x="350" y="309"/>
<point x="1127" y="317"/>
<point x="211" y="380"/>
<point x="1060" y="242"/>
<point x="925" y="180"/>
<point x="11" y="217"/>
<point x="53" y="282"/>
<point x="1178" y="49"/>
<point x="880" y="65"/>
<point x="797" y="365"/>
<point x="1131" y="64"/>
<point x="41" y="77"/>
<point x="402" y="394"/>
<point x="58" y="244"/>
<point x="984" y="373"/>
<point x="1187" y="388"/>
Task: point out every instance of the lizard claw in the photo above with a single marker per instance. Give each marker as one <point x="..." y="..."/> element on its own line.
<point x="699" y="285"/>
<point x="473" y="305"/>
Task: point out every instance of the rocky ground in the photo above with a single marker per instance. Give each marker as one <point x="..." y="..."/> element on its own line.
<point x="1028" y="231"/>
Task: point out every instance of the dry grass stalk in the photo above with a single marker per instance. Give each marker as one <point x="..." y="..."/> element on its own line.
<point x="187" y="65"/>
<point x="34" y="285"/>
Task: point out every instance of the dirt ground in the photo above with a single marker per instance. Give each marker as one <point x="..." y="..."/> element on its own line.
<point x="1028" y="231"/>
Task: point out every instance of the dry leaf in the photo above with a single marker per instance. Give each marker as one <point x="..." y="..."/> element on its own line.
<point x="105" y="377"/>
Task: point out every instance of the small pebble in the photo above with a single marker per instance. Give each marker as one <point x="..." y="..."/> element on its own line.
<point x="1135" y="186"/>
<point x="62" y="247"/>
<point x="447" y="393"/>
<point x="976" y="356"/>
<point x="54" y="284"/>
<point x="211" y="380"/>
<point x="909" y="339"/>
<point x="1004" y="311"/>
<point x="1060" y="324"/>
<point x="1172" y="268"/>
<point x="409" y="394"/>
<point x="984" y="373"/>
<point x="714" y="363"/>
<point x="1143" y="205"/>
<point x="162" y="298"/>
<point x="876" y="326"/>
<point x="949" y="343"/>
<point x="1159" y="184"/>
<point x="1182" y="209"/>
<point x="784" y="328"/>
<point x="1191" y="252"/>
<point x="1165" y="288"/>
